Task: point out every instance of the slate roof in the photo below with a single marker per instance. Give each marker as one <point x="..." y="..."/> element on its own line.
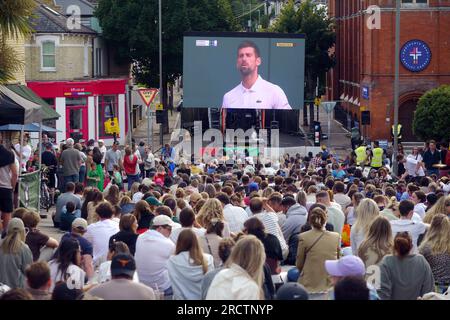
<point x="86" y="8"/>
<point x="47" y="20"/>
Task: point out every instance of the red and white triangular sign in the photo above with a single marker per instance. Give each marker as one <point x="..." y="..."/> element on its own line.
<point x="148" y="95"/>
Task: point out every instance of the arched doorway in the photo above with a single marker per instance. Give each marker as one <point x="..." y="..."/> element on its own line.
<point x="406" y="117"/>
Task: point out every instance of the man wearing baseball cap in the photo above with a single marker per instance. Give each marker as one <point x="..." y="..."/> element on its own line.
<point x="121" y="286"/>
<point x="348" y="266"/>
<point x="153" y="250"/>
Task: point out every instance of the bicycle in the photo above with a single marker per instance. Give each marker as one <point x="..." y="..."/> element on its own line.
<point x="45" y="197"/>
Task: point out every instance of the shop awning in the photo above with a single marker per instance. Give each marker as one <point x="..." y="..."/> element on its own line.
<point x="30" y="127"/>
<point x="16" y="109"/>
<point x="47" y="112"/>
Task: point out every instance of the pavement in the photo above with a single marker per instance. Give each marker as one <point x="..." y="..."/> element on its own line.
<point x="339" y="140"/>
<point x="46" y="225"/>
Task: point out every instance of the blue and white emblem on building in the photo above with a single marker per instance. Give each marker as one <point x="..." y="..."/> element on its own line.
<point x="415" y="55"/>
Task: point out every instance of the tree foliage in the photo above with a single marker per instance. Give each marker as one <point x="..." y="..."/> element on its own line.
<point x="14" y="17"/>
<point x="313" y="21"/>
<point x="431" y="119"/>
<point x="132" y="28"/>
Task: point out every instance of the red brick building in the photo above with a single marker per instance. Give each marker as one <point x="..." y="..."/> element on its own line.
<point x="363" y="78"/>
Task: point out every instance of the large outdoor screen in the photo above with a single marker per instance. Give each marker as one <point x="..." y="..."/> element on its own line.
<point x="243" y="70"/>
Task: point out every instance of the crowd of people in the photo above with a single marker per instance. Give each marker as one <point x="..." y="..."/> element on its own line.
<point x="143" y="226"/>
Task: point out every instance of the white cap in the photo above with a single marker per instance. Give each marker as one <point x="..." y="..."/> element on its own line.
<point x="162" y="220"/>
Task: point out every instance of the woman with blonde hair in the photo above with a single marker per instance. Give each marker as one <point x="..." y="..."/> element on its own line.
<point x="391" y="211"/>
<point x="212" y="209"/>
<point x="15" y="255"/>
<point x="242" y="279"/>
<point x="366" y="212"/>
<point x="436" y="250"/>
<point x="438" y="208"/>
<point x="314" y="248"/>
<point x="267" y="192"/>
<point x="378" y="242"/>
<point x="188" y="267"/>
<point x="350" y="212"/>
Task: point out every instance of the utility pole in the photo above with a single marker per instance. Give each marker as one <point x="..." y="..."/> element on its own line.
<point x="161" y="137"/>
<point x="396" y="83"/>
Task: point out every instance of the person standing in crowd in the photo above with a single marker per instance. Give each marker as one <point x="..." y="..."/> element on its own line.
<point x="414" y="165"/>
<point x="113" y="157"/>
<point x="188" y="267"/>
<point x="404" y="275"/>
<point x="100" y="232"/>
<point x="131" y="167"/>
<point x="49" y="160"/>
<point x="121" y="286"/>
<point x="8" y="180"/>
<point x="314" y="248"/>
<point x="15" y="255"/>
<point x="242" y="278"/>
<point x="377" y="156"/>
<point x="431" y="157"/>
<point x="143" y="155"/>
<point x="149" y="162"/>
<point x="82" y="172"/>
<point x="419" y="198"/>
<point x="62" y="201"/>
<point x="366" y="212"/>
<point x="25" y="156"/>
<point x="103" y="150"/>
<point x="436" y="250"/>
<point x="406" y="224"/>
<point x="70" y="161"/>
<point x="155" y="243"/>
<point x="377" y="243"/>
<point x="38" y="280"/>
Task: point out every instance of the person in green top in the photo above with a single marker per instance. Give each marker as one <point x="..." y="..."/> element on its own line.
<point x="117" y="176"/>
<point x="93" y="177"/>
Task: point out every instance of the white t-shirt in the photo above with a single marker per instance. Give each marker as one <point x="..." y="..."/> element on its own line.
<point x="26" y="154"/>
<point x="98" y="234"/>
<point x="414" y="228"/>
<point x="420" y="210"/>
<point x="104" y="273"/>
<point x="262" y="95"/>
<point x="411" y="165"/>
<point x="200" y="232"/>
<point x="137" y="197"/>
<point x="75" y="276"/>
<point x="235" y="216"/>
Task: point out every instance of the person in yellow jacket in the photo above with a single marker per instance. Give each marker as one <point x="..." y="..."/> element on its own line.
<point x="361" y="155"/>
<point x="377" y="156"/>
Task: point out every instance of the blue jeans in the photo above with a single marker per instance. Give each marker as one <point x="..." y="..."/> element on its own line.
<point x="132" y="178"/>
<point x="82" y="173"/>
<point x="73" y="178"/>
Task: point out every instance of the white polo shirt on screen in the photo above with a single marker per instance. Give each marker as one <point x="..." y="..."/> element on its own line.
<point x="262" y="95"/>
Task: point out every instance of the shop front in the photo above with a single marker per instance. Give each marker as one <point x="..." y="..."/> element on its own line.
<point x="86" y="107"/>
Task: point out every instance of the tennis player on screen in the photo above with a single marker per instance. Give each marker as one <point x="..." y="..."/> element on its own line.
<point x="253" y="92"/>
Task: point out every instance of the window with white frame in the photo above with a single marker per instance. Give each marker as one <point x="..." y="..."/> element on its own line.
<point x="48" y="55"/>
<point x="415" y="2"/>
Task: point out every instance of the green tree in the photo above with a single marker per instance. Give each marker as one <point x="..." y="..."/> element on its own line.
<point x="14" y="17"/>
<point x="314" y="22"/>
<point x="132" y="27"/>
<point x="431" y="119"/>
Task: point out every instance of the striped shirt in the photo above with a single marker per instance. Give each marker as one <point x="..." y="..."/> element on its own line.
<point x="270" y="222"/>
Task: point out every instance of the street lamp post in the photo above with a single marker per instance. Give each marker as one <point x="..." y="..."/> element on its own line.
<point x="396" y="84"/>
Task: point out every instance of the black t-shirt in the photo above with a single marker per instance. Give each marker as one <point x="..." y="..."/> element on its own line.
<point x="49" y="159"/>
<point x="272" y="247"/>
<point x="125" y="236"/>
<point x="35" y="241"/>
<point x="145" y="221"/>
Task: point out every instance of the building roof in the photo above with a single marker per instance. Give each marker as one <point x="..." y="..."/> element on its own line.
<point x="86" y="8"/>
<point x="48" y="20"/>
